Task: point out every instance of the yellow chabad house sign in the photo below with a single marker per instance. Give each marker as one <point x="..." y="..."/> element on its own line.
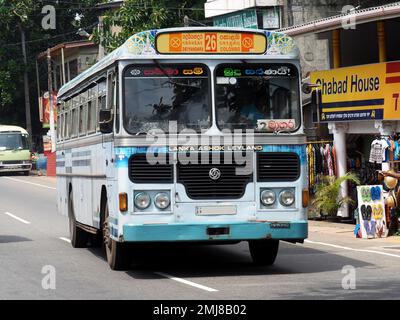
<point x="367" y="92"/>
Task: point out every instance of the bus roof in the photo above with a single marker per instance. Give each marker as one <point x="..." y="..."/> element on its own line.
<point x="6" y="128"/>
<point x="142" y="46"/>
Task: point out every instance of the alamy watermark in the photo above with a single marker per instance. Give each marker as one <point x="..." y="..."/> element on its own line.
<point x="349" y="280"/>
<point x="349" y="20"/>
<point x="49" y="279"/>
<point x="191" y="147"/>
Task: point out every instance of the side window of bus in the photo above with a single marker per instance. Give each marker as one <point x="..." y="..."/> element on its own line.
<point x="62" y="129"/>
<point x="91" y="116"/>
<point x="101" y="99"/>
<point x="69" y="123"/>
<point x="110" y="91"/>
<point x="82" y="119"/>
<point x="74" y="124"/>
<point x="58" y="127"/>
<point x="101" y="104"/>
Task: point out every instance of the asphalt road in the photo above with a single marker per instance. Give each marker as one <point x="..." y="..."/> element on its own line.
<point x="33" y="235"/>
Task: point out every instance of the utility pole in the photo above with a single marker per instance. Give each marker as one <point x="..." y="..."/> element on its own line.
<point x="101" y="47"/>
<point x="50" y="88"/>
<point x="26" y="84"/>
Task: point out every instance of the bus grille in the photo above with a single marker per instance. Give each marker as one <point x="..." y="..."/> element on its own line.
<point x="199" y="185"/>
<point x="140" y="171"/>
<point x="12" y="162"/>
<point x="277" y="166"/>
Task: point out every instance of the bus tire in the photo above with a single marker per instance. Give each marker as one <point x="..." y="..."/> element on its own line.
<point x="264" y="252"/>
<point x="116" y="252"/>
<point x="79" y="237"/>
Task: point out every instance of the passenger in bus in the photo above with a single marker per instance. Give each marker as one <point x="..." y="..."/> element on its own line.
<point x="256" y="109"/>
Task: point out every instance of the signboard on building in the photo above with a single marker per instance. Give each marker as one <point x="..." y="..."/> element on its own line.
<point x="45" y="110"/>
<point x="239" y="19"/>
<point x="271" y="18"/>
<point x="367" y="92"/>
<point x="211" y="42"/>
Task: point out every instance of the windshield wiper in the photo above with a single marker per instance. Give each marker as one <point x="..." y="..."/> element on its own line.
<point x="140" y="133"/>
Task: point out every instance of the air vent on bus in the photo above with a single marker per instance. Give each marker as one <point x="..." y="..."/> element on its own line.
<point x="141" y="171"/>
<point x="277" y="166"/>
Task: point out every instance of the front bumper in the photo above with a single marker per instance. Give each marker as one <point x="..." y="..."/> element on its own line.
<point x="15" y="167"/>
<point x="297" y="230"/>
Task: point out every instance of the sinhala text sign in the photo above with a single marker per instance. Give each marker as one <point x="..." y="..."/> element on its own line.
<point x="367" y="92"/>
<point x="211" y="43"/>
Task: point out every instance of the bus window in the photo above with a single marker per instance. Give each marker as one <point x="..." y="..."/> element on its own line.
<point x="246" y="94"/>
<point x="82" y="120"/>
<point x="156" y="95"/>
<point x="13" y="141"/>
<point x="58" y="127"/>
<point x="74" y="124"/>
<point x="91" y="117"/>
<point x="68" y="130"/>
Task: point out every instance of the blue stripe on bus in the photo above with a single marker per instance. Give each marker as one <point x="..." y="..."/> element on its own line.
<point x="198" y="232"/>
<point x="299" y="149"/>
<point x="122" y="154"/>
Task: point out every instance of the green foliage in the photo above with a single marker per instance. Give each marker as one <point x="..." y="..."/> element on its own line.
<point x="7" y="83"/>
<point x="327" y="197"/>
<point x="27" y="15"/>
<point x="140" y="15"/>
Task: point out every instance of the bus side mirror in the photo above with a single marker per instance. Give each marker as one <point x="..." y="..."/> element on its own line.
<point x="306" y="88"/>
<point x="106" y="120"/>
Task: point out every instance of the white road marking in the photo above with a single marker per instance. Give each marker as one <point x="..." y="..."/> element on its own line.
<point x="65" y="239"/>
<point x="352" y="249"/>
<point x="190" y="283"/>
<point x="32" y="183"/>
<point x="17" y="218"/>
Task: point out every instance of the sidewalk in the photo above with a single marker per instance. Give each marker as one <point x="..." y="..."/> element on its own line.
<point x="342" y="234"/>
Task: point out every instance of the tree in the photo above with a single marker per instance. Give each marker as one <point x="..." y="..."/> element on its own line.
<point x="15" y="14"/>
<point x="139" y="15"/>
<point x="24" y="18"/>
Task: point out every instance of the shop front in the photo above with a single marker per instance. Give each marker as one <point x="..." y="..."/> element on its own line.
<point x="361" y="107"/>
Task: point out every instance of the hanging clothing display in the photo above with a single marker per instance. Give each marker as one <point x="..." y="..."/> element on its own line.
<point x="380" y="150"/>
<point x="321" y="162"/>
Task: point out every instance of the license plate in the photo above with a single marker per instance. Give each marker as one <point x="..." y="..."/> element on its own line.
<point x="280" y="225"/>
<point x="215" y="210"/>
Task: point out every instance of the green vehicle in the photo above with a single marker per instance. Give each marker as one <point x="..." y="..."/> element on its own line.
<point x="15" y="155"/>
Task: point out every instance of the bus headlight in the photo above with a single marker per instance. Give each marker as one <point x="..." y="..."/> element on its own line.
<point x="268" y="197"/>
<point x="162" y="201"/>
<point x="142" y="200"/>
<point x="286" y="198"/>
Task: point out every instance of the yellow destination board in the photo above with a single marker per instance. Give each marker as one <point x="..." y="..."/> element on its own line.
<point x="211" y="43"/>
<point x="367" y="92"/>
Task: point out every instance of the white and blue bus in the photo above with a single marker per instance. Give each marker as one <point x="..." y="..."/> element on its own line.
<point x="185" y="135"/>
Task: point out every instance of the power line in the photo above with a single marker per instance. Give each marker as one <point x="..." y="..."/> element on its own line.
<point x="50" y="38"/>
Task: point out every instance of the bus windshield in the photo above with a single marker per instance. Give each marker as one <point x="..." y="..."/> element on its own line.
<point x="13" y="141"/>
<point x="248" y="95"/>
<point x="157" y="95"/>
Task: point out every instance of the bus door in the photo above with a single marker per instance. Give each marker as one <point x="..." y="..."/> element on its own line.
<point x="108" y="141"/>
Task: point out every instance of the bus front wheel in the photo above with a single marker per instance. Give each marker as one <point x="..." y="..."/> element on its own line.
<point x="116" y="252"/>
<point x="264" y="252"/>
<point x="79" y="237"/>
